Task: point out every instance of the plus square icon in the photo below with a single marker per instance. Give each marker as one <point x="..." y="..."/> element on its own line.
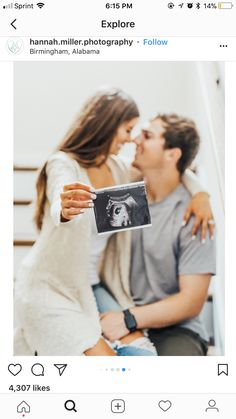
<point x="118" y="406"/>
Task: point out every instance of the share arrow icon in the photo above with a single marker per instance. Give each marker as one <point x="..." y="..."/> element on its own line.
<point x="61" y="368"/>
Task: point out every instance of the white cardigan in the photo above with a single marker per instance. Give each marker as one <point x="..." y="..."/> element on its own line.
<point x="54" y="300"/>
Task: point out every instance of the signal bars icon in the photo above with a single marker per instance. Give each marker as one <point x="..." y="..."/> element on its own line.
<point x="8" y="6"/>
<point x="40" y="5"/>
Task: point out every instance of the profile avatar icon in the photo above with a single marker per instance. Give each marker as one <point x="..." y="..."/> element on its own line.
<point x="212" y="406"/>
<point x="14" y="45"/>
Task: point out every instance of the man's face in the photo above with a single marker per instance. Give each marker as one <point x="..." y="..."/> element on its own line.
<point x="150" y="153"/>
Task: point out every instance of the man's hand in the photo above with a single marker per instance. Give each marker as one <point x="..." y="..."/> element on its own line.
<point x="113" y="325"/>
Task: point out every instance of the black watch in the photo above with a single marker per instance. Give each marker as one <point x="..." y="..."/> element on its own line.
<point x="130" y="321"/>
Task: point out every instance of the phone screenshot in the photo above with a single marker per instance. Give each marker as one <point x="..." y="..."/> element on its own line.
<point x="116" y="172"/>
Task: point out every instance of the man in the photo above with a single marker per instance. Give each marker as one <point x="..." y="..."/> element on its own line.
<point x="170" y="269"/>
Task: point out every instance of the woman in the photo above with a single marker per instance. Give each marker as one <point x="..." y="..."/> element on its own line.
<point x="56" y="306"/>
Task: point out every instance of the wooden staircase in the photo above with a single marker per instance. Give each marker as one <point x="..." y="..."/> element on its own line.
<point x="24" y="231"/>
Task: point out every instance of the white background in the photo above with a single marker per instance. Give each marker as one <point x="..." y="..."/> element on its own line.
<point x="48" y="96"/>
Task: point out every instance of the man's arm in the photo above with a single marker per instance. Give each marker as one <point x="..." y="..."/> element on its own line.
<point x="187" y="303"/>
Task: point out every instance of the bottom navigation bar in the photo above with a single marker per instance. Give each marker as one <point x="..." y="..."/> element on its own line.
<point x="129" y="405"/>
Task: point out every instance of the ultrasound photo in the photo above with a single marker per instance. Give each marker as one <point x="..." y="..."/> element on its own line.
<point x="122" y="207"/>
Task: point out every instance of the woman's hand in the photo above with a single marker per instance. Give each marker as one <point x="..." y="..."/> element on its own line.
<point x="75" y="198"/>
<point x="113" y="325"/>
<point x="200" y="207"/>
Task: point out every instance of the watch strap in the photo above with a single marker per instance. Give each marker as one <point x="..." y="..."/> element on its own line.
<point x="130" y="320"/>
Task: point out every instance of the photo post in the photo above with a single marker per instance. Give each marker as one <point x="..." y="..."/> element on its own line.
<point x="122" y="166"/>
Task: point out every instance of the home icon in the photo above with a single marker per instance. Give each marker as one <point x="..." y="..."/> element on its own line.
<point x="23" y="407"/>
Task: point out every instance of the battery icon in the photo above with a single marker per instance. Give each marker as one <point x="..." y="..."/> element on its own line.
<point x="225" y="5"/>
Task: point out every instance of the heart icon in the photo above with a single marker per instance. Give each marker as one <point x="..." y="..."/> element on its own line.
<point x="164" y="405"/>
<point x="14" y="369"/>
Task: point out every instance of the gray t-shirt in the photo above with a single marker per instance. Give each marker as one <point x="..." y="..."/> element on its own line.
<point x="166" y="250"/>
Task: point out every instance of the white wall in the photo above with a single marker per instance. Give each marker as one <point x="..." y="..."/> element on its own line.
<point x="212" y="173"/>
<point x="48" y="95"/>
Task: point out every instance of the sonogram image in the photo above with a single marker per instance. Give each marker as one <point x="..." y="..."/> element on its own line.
<point x="121" y="207"/>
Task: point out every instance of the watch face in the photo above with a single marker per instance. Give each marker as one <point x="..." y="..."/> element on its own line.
<point x="130" y="321"/>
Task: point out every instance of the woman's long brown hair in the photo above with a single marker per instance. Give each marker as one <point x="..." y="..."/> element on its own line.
<point x="91" y="136"/>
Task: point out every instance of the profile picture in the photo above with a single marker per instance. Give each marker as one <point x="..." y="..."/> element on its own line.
<point x="121" y="208"/>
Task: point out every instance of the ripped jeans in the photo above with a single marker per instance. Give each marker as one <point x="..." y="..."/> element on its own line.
<point x="105" y="302"/>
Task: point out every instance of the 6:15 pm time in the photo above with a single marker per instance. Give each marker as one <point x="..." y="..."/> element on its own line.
<point x="119" y="5"/>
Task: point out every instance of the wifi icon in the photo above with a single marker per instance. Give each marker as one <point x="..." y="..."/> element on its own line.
<point x="40" y="5"/>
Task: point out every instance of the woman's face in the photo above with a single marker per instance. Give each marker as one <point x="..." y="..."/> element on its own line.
<point x="123" y="135"/>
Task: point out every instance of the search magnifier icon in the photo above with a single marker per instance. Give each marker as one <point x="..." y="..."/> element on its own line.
<point x="70" y="405"/>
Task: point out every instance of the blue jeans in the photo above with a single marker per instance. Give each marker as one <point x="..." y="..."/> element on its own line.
<point x="105" y="302"/>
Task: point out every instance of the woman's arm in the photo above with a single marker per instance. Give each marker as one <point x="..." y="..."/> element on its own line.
<point x="199" y="206"/>
<point x="67" y="197"/>
<point x="192" y="183"/>
<point x="100" y="349"/>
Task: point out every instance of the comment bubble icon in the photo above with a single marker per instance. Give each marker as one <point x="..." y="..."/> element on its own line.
<point x="37" y="370"/>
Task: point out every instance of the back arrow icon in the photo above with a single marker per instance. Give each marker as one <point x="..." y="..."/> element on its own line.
<point x="12" y="24"/>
